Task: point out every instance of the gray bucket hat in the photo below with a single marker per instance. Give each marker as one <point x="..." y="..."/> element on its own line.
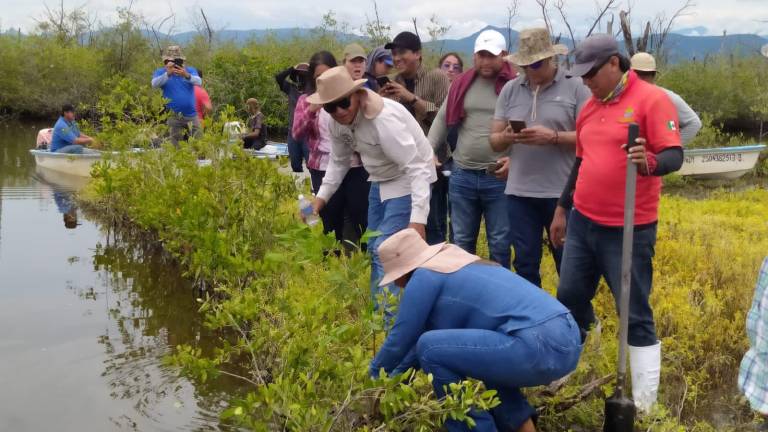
<point x="535" y="44"/>
<point x="592" y="51"/>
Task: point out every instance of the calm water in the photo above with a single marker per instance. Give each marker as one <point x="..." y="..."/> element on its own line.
<point x="87" y="316"/>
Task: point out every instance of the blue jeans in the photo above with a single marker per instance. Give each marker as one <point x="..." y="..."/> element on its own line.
<point x="529" y="218"/>
<point x="593" y="250"/>
<point x="298" y="152"/>
<point x="71" y="149"/>
<point x="387" y="217"/>
<point x="473" y="195"/>
<point x="437" y="221"/>
<point x="504" y="362"/>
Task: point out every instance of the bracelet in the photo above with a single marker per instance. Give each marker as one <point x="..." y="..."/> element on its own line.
<point x="556" y="139"/>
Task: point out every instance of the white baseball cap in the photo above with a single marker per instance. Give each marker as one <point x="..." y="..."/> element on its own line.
<point x="491" y="41"/>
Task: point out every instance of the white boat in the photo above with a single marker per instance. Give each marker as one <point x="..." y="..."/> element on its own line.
<point x="721" y="162"/>
<point x="73" y="164"/>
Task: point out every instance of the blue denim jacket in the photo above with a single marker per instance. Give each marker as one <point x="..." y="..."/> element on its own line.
<point x="478" y="296"/>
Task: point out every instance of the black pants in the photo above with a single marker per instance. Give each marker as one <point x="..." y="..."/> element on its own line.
<point x="349" y="203"/>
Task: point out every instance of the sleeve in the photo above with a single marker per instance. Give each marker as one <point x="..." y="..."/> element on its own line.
<point x="660" y="124"/>
<point x="159" y="78"/>
<point x="566" y="198"/>
<point x="582" y="96"/>
<point x="438" y="132"/>
<point x="401" y="145"/>
<point x="194" y="78"/>
<point x="411" y="322"/>
<point x="282" y="82"/>
<point x="205" y="98"/>
<point x="690" y="123"/>
<point x="338" y="166"/>
<point x="304" y="121"/>
<point x="69" y="134"/>
<point x="579" y="148"/>
<point x="500" y="113"/>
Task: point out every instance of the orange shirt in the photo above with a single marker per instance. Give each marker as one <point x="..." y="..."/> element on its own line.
<point x="601" y="130"/>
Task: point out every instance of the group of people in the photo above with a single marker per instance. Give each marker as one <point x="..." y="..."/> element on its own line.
<point x="422" y="155"/>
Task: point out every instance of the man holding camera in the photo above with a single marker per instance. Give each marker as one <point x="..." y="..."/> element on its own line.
<point x="476" y="187"/>
<point x="178" y="83"/>
<point x="535" y="120"/>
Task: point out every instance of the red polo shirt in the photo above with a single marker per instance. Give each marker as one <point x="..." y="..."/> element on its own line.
<point x="601" y="130"/>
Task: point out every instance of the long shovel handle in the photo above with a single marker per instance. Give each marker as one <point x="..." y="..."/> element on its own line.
<point x="626" y="258"/>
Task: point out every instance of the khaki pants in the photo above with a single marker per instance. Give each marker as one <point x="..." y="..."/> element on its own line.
<point x="180" y="124"/>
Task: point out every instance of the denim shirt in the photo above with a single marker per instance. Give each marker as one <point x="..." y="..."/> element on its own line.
<point x="478" y="296"/>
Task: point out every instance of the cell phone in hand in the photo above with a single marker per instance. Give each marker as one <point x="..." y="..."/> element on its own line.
<point x="492" y="168"/>
<point x="517" y="125"/>
<point x="382" y="80"/>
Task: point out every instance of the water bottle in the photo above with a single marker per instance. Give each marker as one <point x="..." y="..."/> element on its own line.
<point x="305" y="208"/>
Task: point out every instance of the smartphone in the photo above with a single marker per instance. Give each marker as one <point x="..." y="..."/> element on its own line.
<point x="492" y="168"/>
<point x="517" y="125"/>
<point x="179" y="62"/>
<point x="382" y="80"/>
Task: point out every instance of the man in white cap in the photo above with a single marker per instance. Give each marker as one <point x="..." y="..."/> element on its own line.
<point x="462" y="317"/>
<point x="541" y="153"/>
<point x="644" y="65"/>
<point x="595" y="190"/>
<point x="476" y="187"/>
<point x="393" y="149"/>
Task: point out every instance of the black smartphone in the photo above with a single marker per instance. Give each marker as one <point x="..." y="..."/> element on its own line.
<point x="517" y="125"/>
<point x="382" y="80"/>
<point x="178" y="62"/>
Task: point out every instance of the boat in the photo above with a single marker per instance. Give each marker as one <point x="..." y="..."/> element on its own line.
<point x="720" y="163"/>
<point x="73" y="164"/>
<point x="273" y="150"/>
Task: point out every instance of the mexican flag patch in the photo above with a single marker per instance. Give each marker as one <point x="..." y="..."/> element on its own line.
<point x="671" y="125"/>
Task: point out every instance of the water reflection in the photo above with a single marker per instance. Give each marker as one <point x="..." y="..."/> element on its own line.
<point x="88" y="315"/>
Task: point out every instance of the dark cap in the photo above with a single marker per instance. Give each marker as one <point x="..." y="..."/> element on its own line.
<point x="67" y="107"/>
<point x="406" y="40"/>
<point x="592" y="51"/>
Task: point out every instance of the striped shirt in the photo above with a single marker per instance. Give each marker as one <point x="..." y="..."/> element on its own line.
<point x="753" y="374"/>
<point x="432" y="88"/>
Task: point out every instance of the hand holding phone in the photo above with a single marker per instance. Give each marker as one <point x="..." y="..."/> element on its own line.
<point x="517" y="125"/>
<point x="382" y="81"/>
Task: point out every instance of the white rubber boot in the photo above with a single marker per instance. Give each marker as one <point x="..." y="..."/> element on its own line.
<point x="645" y="366"/>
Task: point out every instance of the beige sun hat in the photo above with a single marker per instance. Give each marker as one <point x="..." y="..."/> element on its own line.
<point x="333" y="84"/>
<point x="406" y="251"/>
<point x="173" y="52"/>
<point x="535" y="44"/>
<point x="643" y="62"/>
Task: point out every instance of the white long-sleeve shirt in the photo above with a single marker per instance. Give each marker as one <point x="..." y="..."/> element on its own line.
<point x="690" y="123"/>
<point x="393" y="149"/>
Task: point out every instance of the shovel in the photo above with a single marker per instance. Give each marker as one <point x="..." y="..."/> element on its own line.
<point x="619" y="409"/>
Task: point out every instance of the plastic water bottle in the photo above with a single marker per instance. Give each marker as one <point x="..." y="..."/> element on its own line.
<point x="305" y="208"/>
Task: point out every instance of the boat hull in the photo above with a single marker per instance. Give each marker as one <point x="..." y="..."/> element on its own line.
<point x="720" y="163"/>
<point x="72" y="164"/>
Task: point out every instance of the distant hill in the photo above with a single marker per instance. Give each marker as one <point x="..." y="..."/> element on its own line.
<point x="679" y="47"/>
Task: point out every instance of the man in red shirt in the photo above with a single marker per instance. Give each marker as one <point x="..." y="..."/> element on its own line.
<point x="595" y="190"/>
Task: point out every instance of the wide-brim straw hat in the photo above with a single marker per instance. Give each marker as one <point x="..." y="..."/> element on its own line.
<point x="406" y="251"/>
<point x="333" y="84"/>
<point x="534" y="45"/>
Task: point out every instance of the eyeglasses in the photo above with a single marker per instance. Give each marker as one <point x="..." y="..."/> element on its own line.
<point x="535" y="65"/>
<point x="451" y="66"/>
<point x="331" y="107"/>
<point x="595" y="69"/>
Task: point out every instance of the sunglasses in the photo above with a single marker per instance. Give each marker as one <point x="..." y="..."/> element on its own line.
<point x="535" y="65"/>
<point x="595" y="69"/>
<point x="331" y="107"/>
<point x="451" y="66"/>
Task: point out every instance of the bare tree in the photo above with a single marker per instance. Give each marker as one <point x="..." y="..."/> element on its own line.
<point x="665" y="28"/>
<point x="377" y="30"/>
<point x="415" y="27"/>
<point x="560" y="6"/>
<point x="157" y="29"/>
<point x="544" y="6"/>
<point x="601" y="11"/>
<point x="512" y="10"/>
<point x="67" y="26"/>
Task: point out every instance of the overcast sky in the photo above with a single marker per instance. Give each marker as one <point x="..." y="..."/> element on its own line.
<point x="463" y="16"/>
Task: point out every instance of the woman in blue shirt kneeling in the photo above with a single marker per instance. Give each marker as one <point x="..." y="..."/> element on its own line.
<point x="462" y="317"/>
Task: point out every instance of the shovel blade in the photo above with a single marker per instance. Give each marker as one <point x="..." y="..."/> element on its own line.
<point x="619" y="414"/>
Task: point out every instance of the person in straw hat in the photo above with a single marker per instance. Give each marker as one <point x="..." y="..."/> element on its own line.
<point x="542" y="153"/>
<point x="644" y="65"/>
<point x="256" y="136"/>
<point x="177" y="82"/>
<point x="393" y="149"/>
<point x="463" y="318"/>
<point x="595" y="190"/>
